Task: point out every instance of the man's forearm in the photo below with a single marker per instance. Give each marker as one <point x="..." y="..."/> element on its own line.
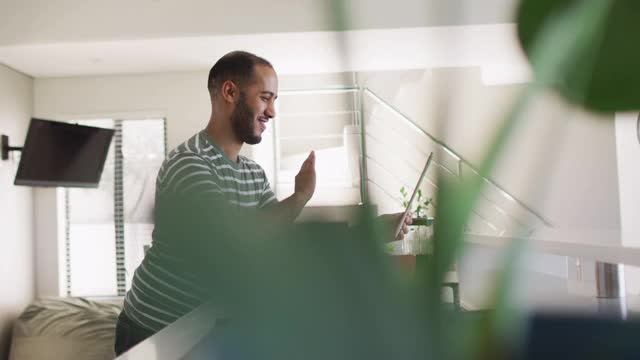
<point x="287" y="210"/>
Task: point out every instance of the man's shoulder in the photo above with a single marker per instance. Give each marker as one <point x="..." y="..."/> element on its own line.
<point x="180" y="156"/>
<point x="196" y="147"/>
<point x="196" y="144"/>
<point x="188" y="154"/>
<point x="250" y="163"/>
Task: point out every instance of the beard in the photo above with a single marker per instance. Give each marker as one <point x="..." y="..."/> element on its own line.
<point x="242" y="122"/>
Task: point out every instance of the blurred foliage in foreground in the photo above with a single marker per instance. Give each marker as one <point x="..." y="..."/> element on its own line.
<point x="326" y="291"/>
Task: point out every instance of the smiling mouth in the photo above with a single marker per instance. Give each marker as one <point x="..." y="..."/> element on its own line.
<point x="263" y="123"/>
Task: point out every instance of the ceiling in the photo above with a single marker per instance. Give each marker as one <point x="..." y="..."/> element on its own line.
<point x="90" y="37"/>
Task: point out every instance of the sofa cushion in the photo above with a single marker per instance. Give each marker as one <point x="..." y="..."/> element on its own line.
<point x="66" y="328"/>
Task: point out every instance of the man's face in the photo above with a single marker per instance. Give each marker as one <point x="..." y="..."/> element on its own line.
<point x="255" y="106"/>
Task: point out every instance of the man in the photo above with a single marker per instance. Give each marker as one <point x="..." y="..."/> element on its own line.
<point x="243" y="88"/>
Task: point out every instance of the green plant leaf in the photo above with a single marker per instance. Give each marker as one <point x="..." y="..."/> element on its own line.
<point x="565" y="37"/>
<point x="603" y="75"/>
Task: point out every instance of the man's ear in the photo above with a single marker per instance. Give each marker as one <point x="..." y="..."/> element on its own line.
<point x="230" y="91"/>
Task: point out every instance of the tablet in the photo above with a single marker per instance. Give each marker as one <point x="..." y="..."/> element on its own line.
<point x="413" y="196"/>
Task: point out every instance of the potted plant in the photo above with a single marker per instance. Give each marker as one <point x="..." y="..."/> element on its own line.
<point x="420" y="229"/>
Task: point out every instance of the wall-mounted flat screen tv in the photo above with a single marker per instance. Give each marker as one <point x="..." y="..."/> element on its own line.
<point x="63" y="154"/>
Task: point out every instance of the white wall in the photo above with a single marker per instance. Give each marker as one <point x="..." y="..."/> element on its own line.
<point x="180" y="97"/>
<point x="16" y="219"/>
<point x="560" y="160"/>
<point x="46" y="234"/>
<point x="628" y="150"/>
<point x="38" y="21"/>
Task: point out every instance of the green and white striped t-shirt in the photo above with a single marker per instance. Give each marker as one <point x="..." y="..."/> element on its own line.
<point x="162" y="290"/>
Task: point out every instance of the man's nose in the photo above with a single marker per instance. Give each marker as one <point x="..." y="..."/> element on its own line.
<point x="270" y="111"/>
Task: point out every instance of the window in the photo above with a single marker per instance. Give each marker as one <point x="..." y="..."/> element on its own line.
<point x="326" y="121"/>
<point x="108" y="228"/>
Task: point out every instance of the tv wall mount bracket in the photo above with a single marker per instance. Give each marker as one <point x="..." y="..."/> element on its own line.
<point x="6" y="148"/>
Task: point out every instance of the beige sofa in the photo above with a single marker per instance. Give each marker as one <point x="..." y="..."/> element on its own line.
<point x="66" y="328"/>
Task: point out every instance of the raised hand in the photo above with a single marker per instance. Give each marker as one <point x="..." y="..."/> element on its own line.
<point x="306" y="178"/>
<point x="392" y="221"/>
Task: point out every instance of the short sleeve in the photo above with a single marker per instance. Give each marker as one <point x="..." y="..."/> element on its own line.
<point x="188" y="174"/>
<point x="267" y="197"/>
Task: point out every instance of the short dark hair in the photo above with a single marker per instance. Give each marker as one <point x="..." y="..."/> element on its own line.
<point x="237" y="66"/>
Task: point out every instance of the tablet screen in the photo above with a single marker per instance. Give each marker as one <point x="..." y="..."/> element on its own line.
<point x="413" y="196"/>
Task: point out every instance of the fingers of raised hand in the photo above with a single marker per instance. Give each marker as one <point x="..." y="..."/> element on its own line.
<point x="408" y="219"/>
<point x="309" y="163"/>
<point x="311" y="158"/>
<point x="404" y="230"/>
